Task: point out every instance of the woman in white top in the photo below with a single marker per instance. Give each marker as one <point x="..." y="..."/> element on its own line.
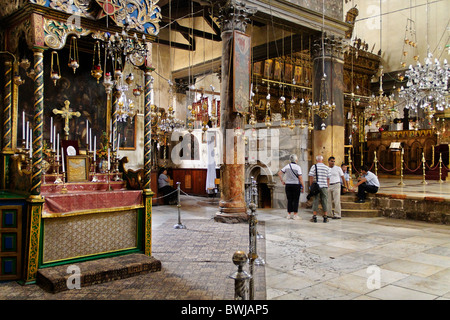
<point x="293" y="185"/>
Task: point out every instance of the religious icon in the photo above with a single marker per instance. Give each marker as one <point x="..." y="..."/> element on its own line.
<point x="241" y="71"/>
<point x="287" y="72"/>
<point x="257" y="68"/>
<point x="277" y="70"/>
<point x="298" y="76"/>
<point x="268" y="68"/>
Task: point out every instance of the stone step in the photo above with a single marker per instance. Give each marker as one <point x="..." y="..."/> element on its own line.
<point x="353" y="205"/>
<point x="358" y="213"/>
<point x="54" y="279"/>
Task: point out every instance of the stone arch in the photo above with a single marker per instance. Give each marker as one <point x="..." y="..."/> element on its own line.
<point x="265" y="181"/>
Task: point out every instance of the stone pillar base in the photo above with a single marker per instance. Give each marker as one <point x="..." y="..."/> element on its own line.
<point x="237" y="217"/>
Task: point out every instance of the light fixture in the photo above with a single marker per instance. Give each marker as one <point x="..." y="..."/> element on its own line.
<point x="73" y="54"/>
<point x="125" y="45"/>
<point x="323" y="107"/>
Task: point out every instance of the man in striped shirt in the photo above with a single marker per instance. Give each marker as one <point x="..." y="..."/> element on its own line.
<point x="323" y="179"/>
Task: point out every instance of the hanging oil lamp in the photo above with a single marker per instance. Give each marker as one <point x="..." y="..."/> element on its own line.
<point x="96" y="71"/>
<point x="55" y="75"/>
<point x="73" y="54"/>
<point x="129" y="79"/>
<point x="137" y="91"/>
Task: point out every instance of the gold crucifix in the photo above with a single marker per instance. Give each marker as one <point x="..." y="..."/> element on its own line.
<point x="66" y="114"/>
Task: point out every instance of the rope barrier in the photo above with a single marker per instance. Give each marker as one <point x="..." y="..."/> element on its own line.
<point x="430" y="168"/>
<point x="388" y="170"/>
<point x="406" y="167"/>
<point x="353" y="165"/>
<point x="165" y="195"/>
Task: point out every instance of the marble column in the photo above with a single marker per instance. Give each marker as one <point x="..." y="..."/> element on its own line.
<point x="232" y="206"/>
<point x="329" y="140"/>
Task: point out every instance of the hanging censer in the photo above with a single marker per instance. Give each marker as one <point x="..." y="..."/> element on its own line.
<point x="55" y="75"/>
<point x="96" y="71"/>
<point x="73" y="54"/>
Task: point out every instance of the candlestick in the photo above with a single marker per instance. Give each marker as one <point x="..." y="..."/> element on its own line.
<point x="62" y="161"/>
<point x="95" y="148"/>
<point x="31" y="144"/>
<point x="23" y="125"/>
<point x="57" y="147"/>
<point x="54" y="138"/>
<point x="28" y="132"/>
<point x="109" y="165"/>
<point x="51" y="130"/>
<point x="90" y="140"/>
<point x="118" y="144"/>
<point x="87" y="131"/>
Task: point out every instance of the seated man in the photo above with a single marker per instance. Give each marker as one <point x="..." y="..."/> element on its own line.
<point x="368" y="182"/>
<point x="346" y="185"/>
<point x="170" y="196"/>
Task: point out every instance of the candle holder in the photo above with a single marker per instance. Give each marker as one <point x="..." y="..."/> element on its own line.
<point x="109" y="188"/>
<point x="56" y="164"/>
<point x="116" y="170"/>
<point x="63" y="189"/>
<point x="94" y="171"/>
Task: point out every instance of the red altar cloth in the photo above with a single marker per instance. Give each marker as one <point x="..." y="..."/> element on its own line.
<point x="62" y="204"/>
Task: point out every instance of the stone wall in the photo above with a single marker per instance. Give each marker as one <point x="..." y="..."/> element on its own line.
<point x="429" y="209"/>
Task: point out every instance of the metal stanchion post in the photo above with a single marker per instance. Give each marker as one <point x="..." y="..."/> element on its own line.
<point x="440" y="168"/>
<point x="424" y="167"/>
<point x="179" y="225"/>
<point x="401" y="169"/>
<point x="252" y="235"/>
<point x="254" y="198"/>
<point x="240" y="277"/>
<point x="375" y="160"/>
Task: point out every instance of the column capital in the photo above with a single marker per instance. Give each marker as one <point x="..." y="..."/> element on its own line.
<point x="234" y="15"/>
<point x="332" y="45"/>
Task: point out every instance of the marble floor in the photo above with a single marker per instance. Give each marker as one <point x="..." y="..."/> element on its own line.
<point x="413" y="187"/>
<point x="350" y="258"/>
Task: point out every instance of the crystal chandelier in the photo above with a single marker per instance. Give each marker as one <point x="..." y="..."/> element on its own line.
<point x="124" y="45"/>
<point x="125" y="108"/>
<point x="427" y="85"/>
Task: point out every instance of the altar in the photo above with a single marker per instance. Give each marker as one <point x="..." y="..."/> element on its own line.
<point x="83" y="224"/>
<point x="63" y="198"/>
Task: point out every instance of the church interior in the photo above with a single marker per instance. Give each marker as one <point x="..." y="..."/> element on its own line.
<point x="98" y="96"/>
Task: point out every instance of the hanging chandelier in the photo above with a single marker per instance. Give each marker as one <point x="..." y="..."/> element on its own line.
<point x="381" y="108"/>
<point x="131" y="47"/>
<point x="323" y="108"/>
<point x="427" y="85"/>
<point x="125" y="108"/>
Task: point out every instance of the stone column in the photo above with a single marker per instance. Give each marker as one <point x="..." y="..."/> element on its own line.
<point x="329" y="140"/>
<point x="232" y="206"/>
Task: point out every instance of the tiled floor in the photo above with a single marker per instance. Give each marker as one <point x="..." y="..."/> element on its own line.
<point x="351" y="258"/>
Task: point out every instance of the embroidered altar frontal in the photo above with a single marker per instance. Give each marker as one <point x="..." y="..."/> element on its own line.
<point x="86" y="224"/>
<point x="84" y="235"/>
